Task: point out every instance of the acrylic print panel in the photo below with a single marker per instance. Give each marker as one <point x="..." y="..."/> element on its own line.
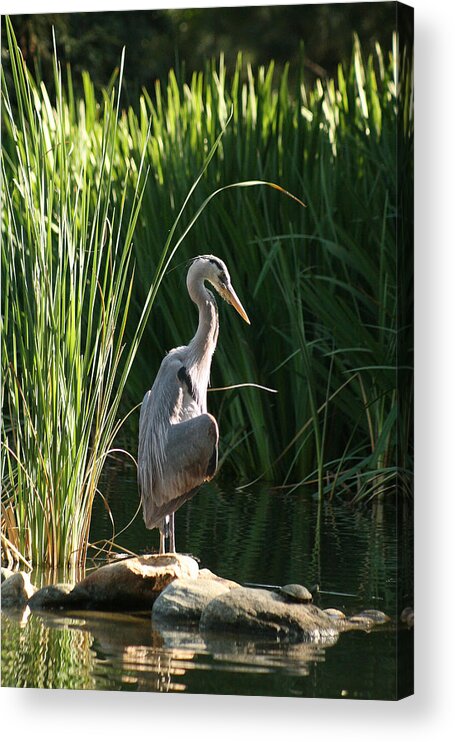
<point x="238" y="522"/>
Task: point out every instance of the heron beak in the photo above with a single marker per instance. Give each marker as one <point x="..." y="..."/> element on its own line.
<point x="233" y="299"/>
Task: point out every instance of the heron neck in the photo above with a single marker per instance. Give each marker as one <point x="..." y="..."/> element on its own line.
<point x="203" y="344"/>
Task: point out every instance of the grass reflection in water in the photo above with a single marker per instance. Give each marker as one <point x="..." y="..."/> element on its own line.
<point x="119" y="652"/>
<point x="345" y="550"/>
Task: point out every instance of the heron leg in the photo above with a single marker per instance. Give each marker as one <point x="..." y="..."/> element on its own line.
<point x="171" y="533"/>
<point x="164" y="534"/>
<point x="167" y="535"/>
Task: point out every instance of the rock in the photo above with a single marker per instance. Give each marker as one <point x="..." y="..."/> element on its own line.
<point x="207" y="574"/>
<point x="371" y="614"/>
<point x="335" y="614"/>
<point x="296" y="593"/>
<point x="407" y="616"/>
<point x="6" y="573"/>
<point x="132" y="583"/>
<point x="367" y="619"/>
<point x="359" y="621"/>
<point x="184" y="600"/>
<point x="52" y="596"/>
<point x="16" y="590"/>
<point x="268" y="613"/>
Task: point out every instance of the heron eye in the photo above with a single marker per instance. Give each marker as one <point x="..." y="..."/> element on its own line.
<point x="223" y="279"/>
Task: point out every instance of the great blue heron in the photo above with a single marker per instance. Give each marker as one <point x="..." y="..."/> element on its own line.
<point x="178" y="438"/>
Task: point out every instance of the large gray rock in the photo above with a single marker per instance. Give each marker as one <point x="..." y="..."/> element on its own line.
<point x="267" y="613"/>
<point x="184" y="600"/>
<point x="207" y="574"/>
<point x="132" y="583"/>
<point x="16" y="590"/>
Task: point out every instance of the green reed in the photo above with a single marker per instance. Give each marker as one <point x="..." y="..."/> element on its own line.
<point x="322" y="285"/>
<point x="81" y="176"/>
<point x="67" y="281"/>
<point x="72" y="196"/>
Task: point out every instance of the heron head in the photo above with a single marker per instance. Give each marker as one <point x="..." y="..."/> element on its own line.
<point x="215" y="271"/>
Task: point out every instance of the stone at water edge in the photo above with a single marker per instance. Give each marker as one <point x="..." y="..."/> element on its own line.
<point x="251" y="610"/>
<point x="296" y="593"/>
<point x="334" y="614"/>
<point x="52" y="596"/>
<point x="184" y="600"/>
<point x="407" y="616"/>
<point x="207" y="574"/>
<point x="16" y="590"/>
<point x="132" y="583"/>
<point x="370" y="615"/>
<point x="6" y="573"/>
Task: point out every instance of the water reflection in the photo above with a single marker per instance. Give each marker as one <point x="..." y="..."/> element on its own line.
<point x="39" y="653"/>
<point x="104" y="650"/>
<point x="265" y="535"/>
<point x="258" y="656"/>
<point x="259" y="536"/>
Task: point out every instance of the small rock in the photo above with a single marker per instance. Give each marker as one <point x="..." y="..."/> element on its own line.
<point x="268" y="613"/>
<point x="360" y="621"/>
<point x="407" y="616"/>
<point x="16" y="590"/>
<point x="296" y="593"/>
<point x="184" y="600"/>
<point x="370" y="614"/>
<point x="52" y="596"/>
<point x="132" y="583"/>
<point x="335" y="614"/>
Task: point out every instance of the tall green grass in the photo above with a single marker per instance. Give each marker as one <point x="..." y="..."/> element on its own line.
<point x="320" y="284"/>
<point x="71" y="197"/>
<point x="67" y="282"/>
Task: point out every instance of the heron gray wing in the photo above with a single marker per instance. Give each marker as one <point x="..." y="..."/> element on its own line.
<point x="191" y="457"/>
<point x="164" y="455"/>
<point x="160" y="408"/>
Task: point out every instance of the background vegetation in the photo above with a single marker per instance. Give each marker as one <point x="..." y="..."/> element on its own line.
<point x="184" y="39"/>
<point x="92" y="189"/>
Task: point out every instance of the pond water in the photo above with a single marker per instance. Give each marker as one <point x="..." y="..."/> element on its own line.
<point x="359" y="556"/>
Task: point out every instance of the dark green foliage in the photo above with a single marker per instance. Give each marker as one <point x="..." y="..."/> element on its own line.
<point x="159" y="39"/>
